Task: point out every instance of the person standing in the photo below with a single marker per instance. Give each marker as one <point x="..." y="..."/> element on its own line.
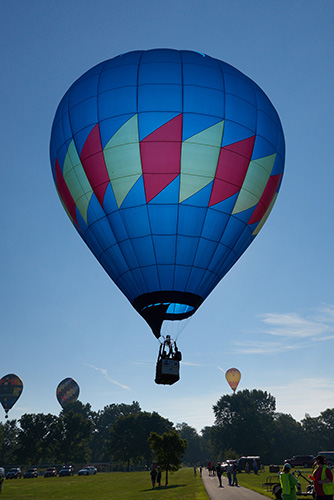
<point x="153" y="476"/>
<point x="159" y="477"/>
<point x="219" y="474"/>
<point x="229" y="473"/>
<point x="234" y="474"/>
<point x="323" y="479"/>
<point x="288" y="483"/>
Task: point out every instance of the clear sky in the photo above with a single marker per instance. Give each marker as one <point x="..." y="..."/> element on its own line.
<point x="272" y="316"/>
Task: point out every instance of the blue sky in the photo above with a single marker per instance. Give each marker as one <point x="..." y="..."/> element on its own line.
<point x="272" y="316"/>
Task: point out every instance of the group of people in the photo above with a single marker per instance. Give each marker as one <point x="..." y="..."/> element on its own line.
<point x="156" y="477"/>
<point x="168" y="350"/>
<point x="322" y="478"/>
<point x="231" y="472"/>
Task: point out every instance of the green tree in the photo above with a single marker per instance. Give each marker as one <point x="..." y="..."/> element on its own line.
<point x="103" y="422"/>
<point x="36" y="438"/>
<point x="129" y="436"/>
<point x="74" y="435"/>
<point x="194" y="452"/>
<point x="285" y="438"/>
<point x="319" y="431"/>
<point x="243" y="422"/>
<point x="327" y="420"/>
<point x="9" y="452"/>
<point x="207" y="444"/>
<point x="78" y="407"/>
<point x="169" y="450"/>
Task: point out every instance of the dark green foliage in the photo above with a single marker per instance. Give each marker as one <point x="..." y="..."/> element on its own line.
<point x="195" y="450"/>
<point x="129" y="436"/>
<point x="37" y="438"/>
<point x="103" y="422"/>
<point x="243" y="422"/>
<point x="168" y="450"/>
<point x="246" y="424"/>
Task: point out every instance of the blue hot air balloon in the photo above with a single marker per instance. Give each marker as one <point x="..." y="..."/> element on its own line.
<point x="168" y="163"/>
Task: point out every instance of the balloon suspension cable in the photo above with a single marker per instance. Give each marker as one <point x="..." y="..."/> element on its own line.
<point x="173" y="328"/>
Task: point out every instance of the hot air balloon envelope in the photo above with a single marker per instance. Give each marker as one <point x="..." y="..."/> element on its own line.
<point x="11" y="387"/>
<point x="168" y="163"/>
<point x="233" y="377"/>
<point x="67" y="391"/>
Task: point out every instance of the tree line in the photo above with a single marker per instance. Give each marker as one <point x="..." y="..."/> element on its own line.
<point x="246" y="423"/>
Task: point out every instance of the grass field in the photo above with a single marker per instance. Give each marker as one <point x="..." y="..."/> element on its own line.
<point x="254" y="481"/>
<point x="183" y="485"/>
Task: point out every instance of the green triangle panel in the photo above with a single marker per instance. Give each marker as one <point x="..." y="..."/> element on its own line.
<point x="191" y="184"/>
<point x="122" y="186"/>
<point x="122" y="158"/>
<point x="76" y="180"/>
<point x="126" y="134"/>
<point x="255" y="181"/>
<point x="211" y="136"/>
<point x="267" y="162"/>
<point x="199" y="160"/>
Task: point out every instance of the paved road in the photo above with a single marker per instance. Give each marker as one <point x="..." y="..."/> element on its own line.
<point x="211" y="485"/>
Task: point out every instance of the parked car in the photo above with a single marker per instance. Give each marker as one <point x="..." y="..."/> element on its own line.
<point x="247" y="463"/>
<point x="87" y="471"/>
<point x="14" y="473"/>
<point x="2" y="473"/>
<point x="300" y="461"/>
<point x="50" y="472"/>
<point x="67" y="470"/>
<point x="30" y="473"/>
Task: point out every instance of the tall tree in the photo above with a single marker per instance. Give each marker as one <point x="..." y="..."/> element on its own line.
<point x="74" y="434"/>
<point x="9" y="452"/>
<point x="243" y="422"/>
<point x="129" y="436"/>
<point x="286" y="438"/>
<point x="35" y="438"/>
<point x="194" y="452"/>
<point x="103" y="422"/>
<point x="327" y="420"/>
<point x="169" y="450"/>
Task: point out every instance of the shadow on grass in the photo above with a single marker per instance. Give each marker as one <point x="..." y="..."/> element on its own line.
<point x="173" y="486"/>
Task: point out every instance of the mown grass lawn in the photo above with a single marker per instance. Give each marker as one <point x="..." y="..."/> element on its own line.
<point x="183" y="485"/>
<point x="255" y="481"/>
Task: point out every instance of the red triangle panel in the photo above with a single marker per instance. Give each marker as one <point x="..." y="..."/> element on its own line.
<point x="232" y="166"/>
<point x="92" y="160"/>
<point x="266" y="198"/>
<point x="161" y="157"/>
<point x="65" y="193"/>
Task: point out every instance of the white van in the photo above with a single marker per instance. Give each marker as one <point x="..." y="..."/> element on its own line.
<point x="329" y="456"/>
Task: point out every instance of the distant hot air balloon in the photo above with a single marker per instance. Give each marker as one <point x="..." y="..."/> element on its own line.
<point x="168" y="163"/>
<point x="233" y="377"/>
<point x="67" y="391"/>
<point x="11" y="387"/>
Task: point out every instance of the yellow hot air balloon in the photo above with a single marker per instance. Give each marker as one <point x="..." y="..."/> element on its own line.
<point x="233" y="377"/>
